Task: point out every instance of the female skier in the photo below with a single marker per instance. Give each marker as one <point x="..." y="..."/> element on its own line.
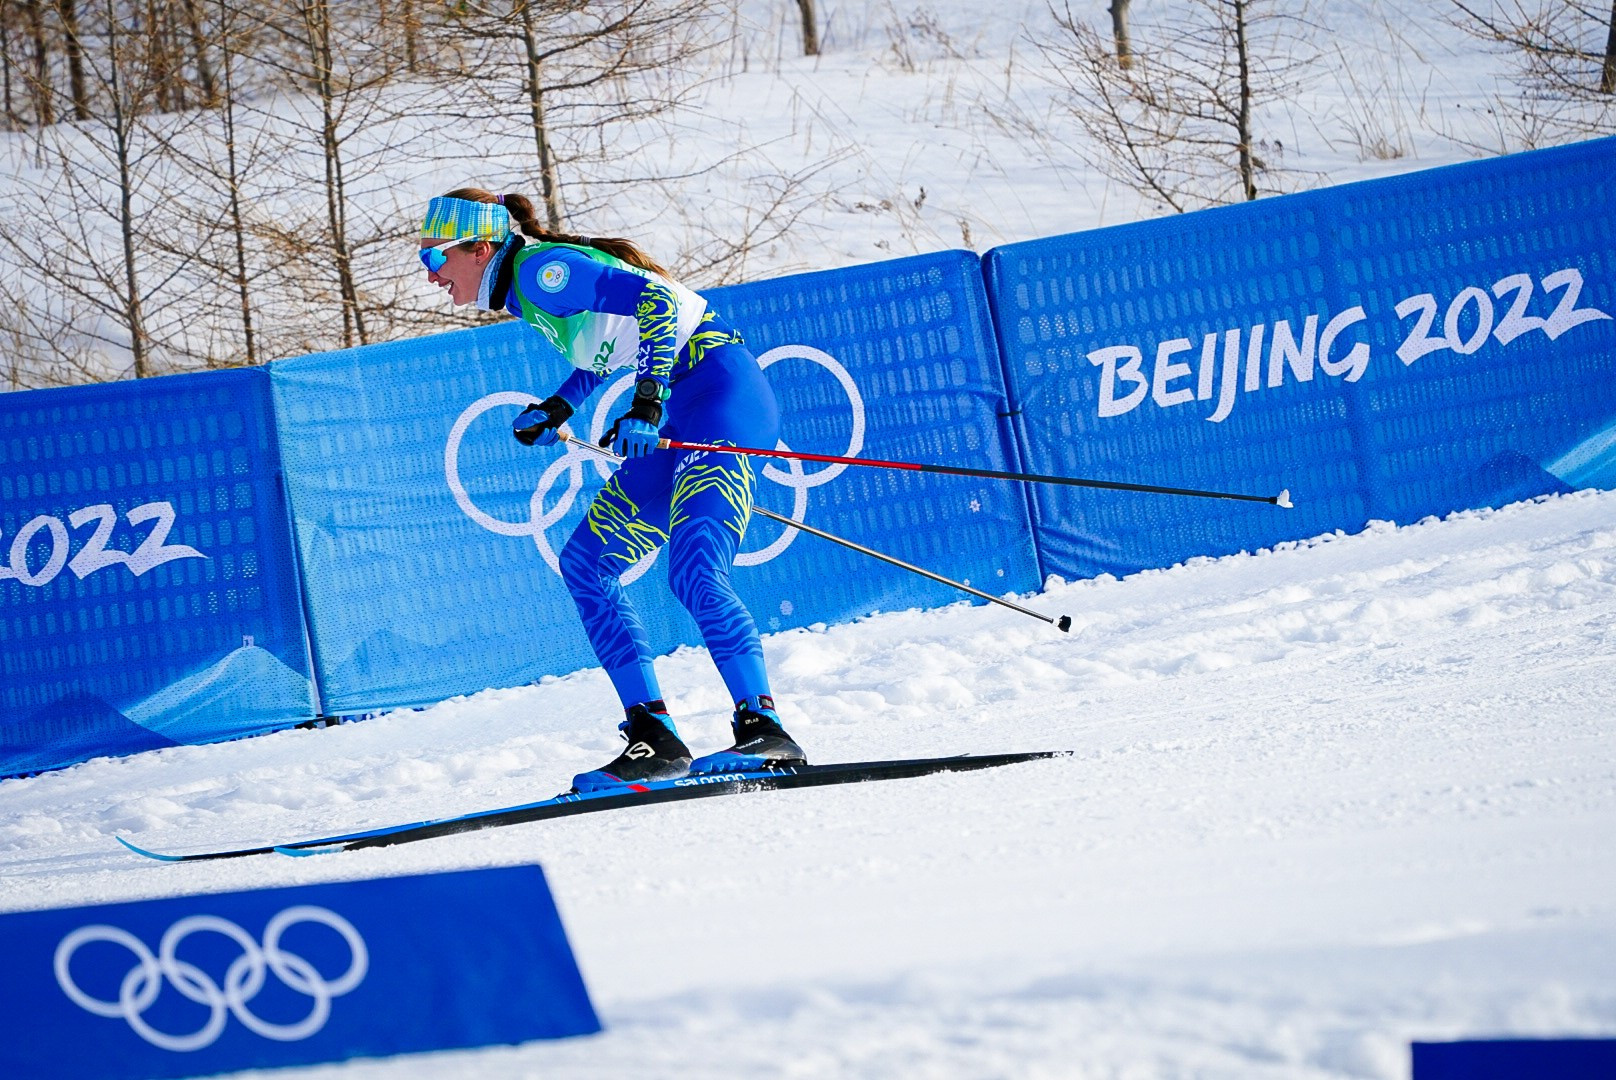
<point x="606" y="306"/>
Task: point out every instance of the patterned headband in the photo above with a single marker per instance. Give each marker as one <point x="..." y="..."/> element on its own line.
<point x="464" y="219"/>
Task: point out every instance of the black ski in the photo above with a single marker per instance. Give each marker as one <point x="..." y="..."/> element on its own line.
<point x="569" y="803"/>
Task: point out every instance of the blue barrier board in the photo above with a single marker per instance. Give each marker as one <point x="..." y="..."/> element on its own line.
<point x="148" y="587"/>
<point x="199" y="985"/>
<point x="893" y="360"/>
<point x="1386" y="350"/>
<point x="429" y="537"/>
<point x="430" y="568"/>
<point x="1516" y="1059"/>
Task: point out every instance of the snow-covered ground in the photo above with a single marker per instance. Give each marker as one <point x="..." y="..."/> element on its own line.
<point x="1324" y="800"/>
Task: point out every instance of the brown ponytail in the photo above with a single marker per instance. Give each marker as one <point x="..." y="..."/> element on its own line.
<point x="522" y="212"/>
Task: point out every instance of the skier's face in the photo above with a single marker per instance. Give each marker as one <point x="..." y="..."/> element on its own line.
<point x="461" y="271"/>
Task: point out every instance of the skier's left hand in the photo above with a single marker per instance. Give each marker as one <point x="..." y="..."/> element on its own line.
<point x="539" y="423"/>
<point x="630" y="437"/>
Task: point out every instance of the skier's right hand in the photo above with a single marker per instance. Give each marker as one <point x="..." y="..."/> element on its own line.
<point x="539" y="422"/>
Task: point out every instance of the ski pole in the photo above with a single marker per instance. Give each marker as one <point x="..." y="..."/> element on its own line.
<point x="1282" y="499"/>
<point x="1062" y="622"/>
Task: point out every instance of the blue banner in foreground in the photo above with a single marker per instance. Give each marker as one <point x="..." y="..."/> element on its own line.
<point x="1516" y="1059"/>
<point x="208" y="984"/>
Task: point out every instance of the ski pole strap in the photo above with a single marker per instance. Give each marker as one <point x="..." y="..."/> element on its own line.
<point x="1282" y="499"/>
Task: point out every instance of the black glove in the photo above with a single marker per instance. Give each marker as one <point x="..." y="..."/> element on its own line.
<point x="539" y="422"/>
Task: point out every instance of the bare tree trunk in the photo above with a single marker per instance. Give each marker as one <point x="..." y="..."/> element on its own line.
<point x="158" y="57"/>
<point x="134" y="318"/>
<point x="1119" y="30"/>
<point x="44" y="112"/>
<point x="549" y="181"/>
<point x="13" y="121"/>
<point x="407" y="10"/>
<point x="238" y="227"/>
<point x="384" y="35"/>
<point x="74" y="48"/>
<point x="317" y="18"/>
<point x="1607" y="81"/>
<point x="1247" y="172"/>
<point x="175" y="52"/>
<point x="199" y="49"/>
<point x="810" y="28"/>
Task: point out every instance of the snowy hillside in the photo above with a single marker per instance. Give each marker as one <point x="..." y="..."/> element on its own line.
<point x="1323" y="800"/>
<point x="926" y="126"/>
<point x="921" y="127"/>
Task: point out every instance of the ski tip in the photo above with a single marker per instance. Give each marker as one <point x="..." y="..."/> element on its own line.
<point x="1284" y="499"/>
<point x="149" y="854"/>
<point x="1065" y="623"/>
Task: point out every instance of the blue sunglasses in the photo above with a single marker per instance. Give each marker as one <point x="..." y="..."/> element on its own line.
<point x="435" y="256"/>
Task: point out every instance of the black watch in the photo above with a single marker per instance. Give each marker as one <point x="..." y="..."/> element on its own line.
<point x="650" y="390"/>
<point x="648" y="398"/>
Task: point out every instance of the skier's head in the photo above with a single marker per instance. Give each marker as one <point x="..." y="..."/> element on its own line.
<point x="481" y="221"/>
<point x="459" y="236"/>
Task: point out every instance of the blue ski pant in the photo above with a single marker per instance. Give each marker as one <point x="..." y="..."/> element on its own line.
<point x="698" y="503"/>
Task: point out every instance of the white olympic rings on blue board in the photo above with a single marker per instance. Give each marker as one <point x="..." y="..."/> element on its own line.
<point x="570" y="466"/>
<point x="242" y="981"/>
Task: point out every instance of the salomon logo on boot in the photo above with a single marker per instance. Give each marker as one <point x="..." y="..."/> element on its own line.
<point x="760" y="741"/>
<point x="655" y="751"/>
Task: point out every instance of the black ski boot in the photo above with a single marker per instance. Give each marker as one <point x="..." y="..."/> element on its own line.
<point x="760" y="741"/>
<point x="655" y="751"/>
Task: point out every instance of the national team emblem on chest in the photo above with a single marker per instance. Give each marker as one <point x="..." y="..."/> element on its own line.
<point x="553" y="278"/>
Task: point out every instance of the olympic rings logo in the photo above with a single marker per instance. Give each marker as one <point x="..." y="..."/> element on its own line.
<point x="242" y="981"/>
<point x="569" y="468"/>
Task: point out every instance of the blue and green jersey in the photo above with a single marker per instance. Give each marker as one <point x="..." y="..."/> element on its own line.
<point x="605" y="315"/>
